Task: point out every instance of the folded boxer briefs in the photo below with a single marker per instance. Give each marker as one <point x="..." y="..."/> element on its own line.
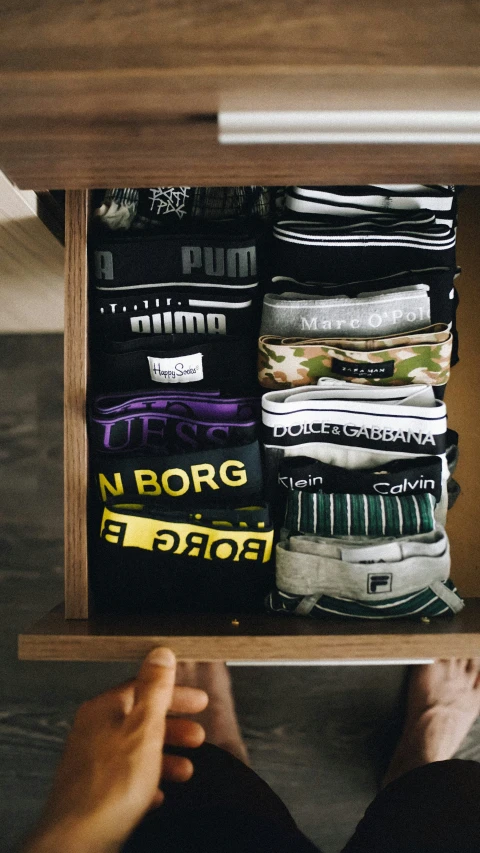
<point x="160" y="206"/>
<point x="373" y="199"/>
<point x="421" y="475"/>
<point x="370" y="571"/>
<point x="143" y="560"/>
<point x="222" y="477"/>
<point x="442" y="295"/>
<point x="415" y="476"/>
<point x="166" y="422"/>
<point x="280" y="316"/>
<point x="383" y="312"/>
<point x="440" y="599"/>
<point x="201" y="361"/>
<point x="309" y="250"/>
<point x="193" y="404"/>
<point x="379" y="579"/>
<point x="164" y="433"/>
<point x="354" y="426"/>
<point x="420" y="356"/>
<point x="214" y="257"/>
<point x="359" y="515"/>
<point x="122" y="317"/>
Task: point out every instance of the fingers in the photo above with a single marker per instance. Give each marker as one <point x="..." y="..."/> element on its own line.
<point x="154" y="684"/>
<point x="158" y="799"/>
<point x="176" y="768"/>
<point x="153" y="693"/>
<point x="186" y="733"/>
<point x="113" y="704"/>
<point x="120" y="699"/>
<point x="188" y="700"/>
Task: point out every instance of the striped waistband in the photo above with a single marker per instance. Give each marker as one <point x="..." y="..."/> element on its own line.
<point x="359" y="515"/>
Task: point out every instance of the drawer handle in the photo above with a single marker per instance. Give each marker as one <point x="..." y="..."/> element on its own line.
<point x="254" y="127"/>
<point x="339" y="662"/>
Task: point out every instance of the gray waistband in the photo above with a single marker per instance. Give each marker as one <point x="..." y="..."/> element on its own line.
<point x="310" y="574"/>
<point x="362" y="549"/>
<point x="328" y="389"/>
<point x="381" y="313"/>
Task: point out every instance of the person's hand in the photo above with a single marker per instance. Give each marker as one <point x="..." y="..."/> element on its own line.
<point x="113" y="761"/>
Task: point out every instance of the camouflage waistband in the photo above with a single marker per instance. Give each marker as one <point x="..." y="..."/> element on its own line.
<point x="422" y="356"/>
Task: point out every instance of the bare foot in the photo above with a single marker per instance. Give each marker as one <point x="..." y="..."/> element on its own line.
<point x="219" y="718"/>
<point x="443" y="704"/>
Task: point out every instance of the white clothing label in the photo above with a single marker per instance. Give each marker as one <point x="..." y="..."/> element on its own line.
<point x="390" y="552"/>
<point x="181" y="368"/>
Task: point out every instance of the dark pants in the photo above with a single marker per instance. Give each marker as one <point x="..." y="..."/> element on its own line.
<point x="227" y="808"/>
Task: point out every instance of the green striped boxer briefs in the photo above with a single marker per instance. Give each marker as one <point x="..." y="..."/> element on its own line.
<point x="359" y="515"/>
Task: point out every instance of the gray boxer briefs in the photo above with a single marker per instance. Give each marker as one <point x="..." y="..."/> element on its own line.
<point x="381" y="579"/>
<point x="370" y="571"/>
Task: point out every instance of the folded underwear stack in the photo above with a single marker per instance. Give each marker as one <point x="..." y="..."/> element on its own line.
<point x="176" y="306"/>
<point x="178" y="514"/>
<point x="353" y="269"/>
<point x="144" y="209"/>
<point x="351" y="466"/>
<point x="351" y="474"/>
<point x="378" y="578"/>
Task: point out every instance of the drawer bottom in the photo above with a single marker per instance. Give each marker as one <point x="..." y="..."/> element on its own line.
<point x="251" y="637"/>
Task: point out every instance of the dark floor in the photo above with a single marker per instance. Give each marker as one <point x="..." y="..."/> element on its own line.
<point x="317" y="735"/>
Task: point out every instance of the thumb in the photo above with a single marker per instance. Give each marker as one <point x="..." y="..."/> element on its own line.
<point x="155" y="683"/>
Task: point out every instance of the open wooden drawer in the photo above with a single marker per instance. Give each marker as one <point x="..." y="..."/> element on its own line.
<point x="74" y="632"/>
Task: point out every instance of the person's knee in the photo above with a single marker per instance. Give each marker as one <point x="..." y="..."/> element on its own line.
<point x="433" y="807"/>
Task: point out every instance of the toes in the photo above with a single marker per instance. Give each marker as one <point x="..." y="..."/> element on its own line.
<point x="472" y="670"/>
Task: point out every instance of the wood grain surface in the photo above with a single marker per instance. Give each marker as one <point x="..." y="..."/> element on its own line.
<point x="256" y="637"/>
<point x="76" y="368"/>
<point x="152" y="129"/>
<point x="462" y="399"/>
<point x="58" y="37"/>
<point x="264" y="637"/>
<point x="187" y="154"/>
<point x="102" y="94"/>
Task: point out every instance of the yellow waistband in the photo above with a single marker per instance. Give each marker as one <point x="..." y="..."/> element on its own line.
<point x="186" y="540"/>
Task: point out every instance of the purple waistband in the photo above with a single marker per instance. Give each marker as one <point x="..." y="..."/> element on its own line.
<point x="183" y="404"/>
<point x="163" y="433"/>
